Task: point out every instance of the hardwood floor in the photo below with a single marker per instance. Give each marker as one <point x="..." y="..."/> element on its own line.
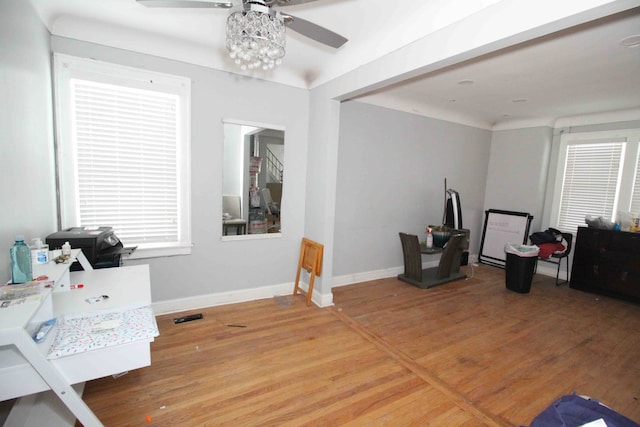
<point x="468" y="353"/>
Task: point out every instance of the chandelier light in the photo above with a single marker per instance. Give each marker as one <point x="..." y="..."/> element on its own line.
<point x="256" y="37"/>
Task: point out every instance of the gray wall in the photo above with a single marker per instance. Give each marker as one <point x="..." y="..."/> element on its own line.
<point x="388" y="177"/>
<point x="27" y="187"/>
<point x="391" y="171"/>
<point x="215" y="266"/>
<point x="523" y="168"/>
<point x="518" y="170"/>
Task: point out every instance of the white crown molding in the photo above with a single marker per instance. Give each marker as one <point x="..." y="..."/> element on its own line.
<point x="125" y="38"/>
<point x="597" y="118"/>
<point x="524" y="123"/>
<point x="569" y="121"/>
<point x="385" y="100"/>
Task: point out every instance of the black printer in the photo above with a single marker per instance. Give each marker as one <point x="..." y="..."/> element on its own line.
<point x="100" y="245"/>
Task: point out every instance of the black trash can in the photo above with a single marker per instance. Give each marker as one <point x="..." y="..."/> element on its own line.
<point x="520" y="265"/>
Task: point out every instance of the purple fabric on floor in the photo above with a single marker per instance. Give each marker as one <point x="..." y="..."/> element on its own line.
<point x="574" y="411"/>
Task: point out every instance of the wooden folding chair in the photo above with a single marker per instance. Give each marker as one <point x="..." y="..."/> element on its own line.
<point x="311" y="261"/>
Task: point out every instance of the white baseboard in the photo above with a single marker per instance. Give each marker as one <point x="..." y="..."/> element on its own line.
<point x="350" y="279"/>
<point x="365" y="276"/>
<point x="232" y="297"/>
<point x="321" y="300"/>
<point x="222" y="298"/>
<point x="549" y="270"/>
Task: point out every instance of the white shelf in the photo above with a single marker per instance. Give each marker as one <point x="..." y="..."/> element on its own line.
<point x="59" y="273"/>
<point x="15" y="370"/>
<point x="53" y="270"/>
<point x="24" y="367"/>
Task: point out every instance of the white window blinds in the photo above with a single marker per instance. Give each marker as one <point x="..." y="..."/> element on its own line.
<point x="126" y="159"/>
<point x="591" y="181"/>
<point x="123" y="153"/>
<point x="635" y="198"/>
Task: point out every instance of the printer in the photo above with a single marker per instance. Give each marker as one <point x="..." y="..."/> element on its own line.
<point x="100" y="245"/>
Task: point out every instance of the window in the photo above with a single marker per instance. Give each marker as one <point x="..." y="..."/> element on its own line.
<point x="123" y="153"/>
<point x="635" y="198"/>
<point x="597" y="175"/>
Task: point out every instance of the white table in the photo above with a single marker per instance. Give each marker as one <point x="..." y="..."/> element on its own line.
<point x="24" y="367"/>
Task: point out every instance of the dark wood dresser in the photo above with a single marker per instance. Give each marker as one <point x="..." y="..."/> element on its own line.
<point x="607" y="262"/>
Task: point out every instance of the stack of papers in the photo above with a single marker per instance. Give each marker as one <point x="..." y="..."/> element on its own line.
<point x="24" y="293"/>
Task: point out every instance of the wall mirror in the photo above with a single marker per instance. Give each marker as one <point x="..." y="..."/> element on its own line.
<point x="253" y="172"/>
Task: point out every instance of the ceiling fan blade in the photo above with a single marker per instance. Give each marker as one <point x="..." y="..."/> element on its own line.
<point x="291" y="2"/>
<point x="221" y="4"/>
<point x="313" y="31"/>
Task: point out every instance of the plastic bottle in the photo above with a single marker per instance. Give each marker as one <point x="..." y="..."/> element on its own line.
<point x="429" y="239"/>
<point x="20" y="261"/>
<point x="66" y="249"/>
<point x="39" y="252"/>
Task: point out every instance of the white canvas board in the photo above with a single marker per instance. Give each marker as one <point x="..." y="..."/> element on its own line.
<point x="501" y="228"/>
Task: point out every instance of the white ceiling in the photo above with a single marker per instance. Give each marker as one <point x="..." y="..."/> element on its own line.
<point x="577" y="71"/>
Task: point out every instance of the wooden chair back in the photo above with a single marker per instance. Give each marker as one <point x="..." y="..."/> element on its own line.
<point x="310" y="260"/>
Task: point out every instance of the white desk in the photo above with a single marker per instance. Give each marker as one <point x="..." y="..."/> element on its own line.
<point x="24" y="367"/>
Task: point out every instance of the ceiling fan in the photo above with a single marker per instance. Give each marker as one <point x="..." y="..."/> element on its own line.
<point x="261" y="7"/>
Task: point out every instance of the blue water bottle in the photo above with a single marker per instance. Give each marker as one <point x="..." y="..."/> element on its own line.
<point x="20" y="261"/>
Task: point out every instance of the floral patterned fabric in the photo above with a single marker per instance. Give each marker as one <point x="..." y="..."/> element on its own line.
<point x="80" y="333"/>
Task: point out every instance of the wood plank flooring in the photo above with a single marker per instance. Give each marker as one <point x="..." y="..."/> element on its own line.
<point x="468" y="353"/>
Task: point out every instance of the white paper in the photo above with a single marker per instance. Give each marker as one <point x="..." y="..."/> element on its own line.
<point x="596" y="423"/>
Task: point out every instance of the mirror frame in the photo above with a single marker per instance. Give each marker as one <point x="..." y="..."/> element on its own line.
<point x="246" y="236"/>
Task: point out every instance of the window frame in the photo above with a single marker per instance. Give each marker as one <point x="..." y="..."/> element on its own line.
<point x="629" y="165"/>
<point x="66" y="68"/>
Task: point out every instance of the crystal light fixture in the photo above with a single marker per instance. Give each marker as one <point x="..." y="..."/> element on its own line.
<point x="256" y="36"/>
